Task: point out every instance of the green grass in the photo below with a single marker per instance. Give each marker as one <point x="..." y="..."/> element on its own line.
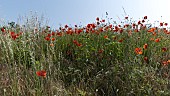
<point x="94" y="60"/>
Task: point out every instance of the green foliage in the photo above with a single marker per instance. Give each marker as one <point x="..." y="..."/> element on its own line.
<point x="100" y="61"/>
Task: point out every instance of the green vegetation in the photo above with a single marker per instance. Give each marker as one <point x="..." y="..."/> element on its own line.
<point x="100" y="59"/>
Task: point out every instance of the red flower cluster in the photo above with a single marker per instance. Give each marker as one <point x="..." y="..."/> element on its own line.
<point x="41" y="73"/>
<point x="77" y="43"/>
<point x="14" y="35"/>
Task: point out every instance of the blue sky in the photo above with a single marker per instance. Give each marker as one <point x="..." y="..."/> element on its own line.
<point x="81" y="12"/>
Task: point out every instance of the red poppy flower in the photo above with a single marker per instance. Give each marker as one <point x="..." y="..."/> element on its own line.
<point x="145" y="46"/>
<point x="100" y="51"/>
<point x="151" y="29"/>
<point x="66" y="26"/>
<point x="97" y="18"/>
<point x="77" y="43"/>
<point x="133" y="25"/>
<point x="146" y="58"/>
<point x="110" y="26"/>
<point x="14" y="36"/>
<point x="103" y="20"/>
<point x="136" y="30"/>
<point x="3" y="29"/>
<point x="164" y="49"/>
<point x="164" y="63"/>
<point x="105" y="36"/>
<point x="138" y="50"/>
<point x="145" y="17"/>
<point x="126" y="17"/>
<point x="121" y="40"/>
<point x="53" y="33"/>
<point x="143" y="21"/>
<point x="126" y="25"/>
<point x="49" y="35"/>
<point x="59" y="33"/>
<point x="98" y="23"/>
<point x="52" y="39"/>
<point x="88" y="25"/>
<point x="161" y="24"/>
<point x="41" y="73"/>
<point x="47" y="38"/>
<point x="93" y="25"/>
<point x="157" y="40"/>
<point x="139" y="22"/>
<point x="166" y="24"/>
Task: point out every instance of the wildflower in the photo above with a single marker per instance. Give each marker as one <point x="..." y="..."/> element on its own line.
<point x="139" y="22"/>
<point x="52" y="39"/>
<point x="138" y="50"/>
<point x="145" y="17"/>
<point x="136" y="30"/>
<point x="49" y="35"/>
<point x="143" y="21"/>
<point x="145" y="46"/>
<point x="59" y="34"/>
<point x="12" y="33"/>
<point x="154" y="33"/>
<point x="114" y="37"/>
<point x="97" y="18"/>
<point x="47" y="38"/>
<point x="77" y="43"/>
<point x="161" y="24"/>
<point x="53" y="33"/>
<point x="157" y="40"/>
<point x="151" y="39"/>
<point x="88" y="25"/>
<point x="105" y="36"/>
<point x="166" y="24"/>
<point x="3" y="29"/>
<point x="41" y="73"/>
<point x="110" y="26"/>
<point x="103" y="20"/>
<point x="101" y="29"/>
<point x="98" y="23"/>
<point x="164" y="49"/>
<point x="121" y="30"/>
<point x="66" y="26"/>
<point x="14" y="36"/>
<point x="133" y="25"/>
<point x="116" y="28"/>
<point x="93" y="25"/>
<point x="165" y="63"/>
<point x="100" y="51"/>
<point x="126" y="25"/>
<point x="121" y="40"/>
<point x="126" y="17"/>
<point x="146" y="59"/>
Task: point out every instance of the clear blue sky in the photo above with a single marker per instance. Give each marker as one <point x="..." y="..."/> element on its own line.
<point x="84" y="11"/>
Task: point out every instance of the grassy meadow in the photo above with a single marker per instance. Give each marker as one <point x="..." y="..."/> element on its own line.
<point x="99" y="59"/>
